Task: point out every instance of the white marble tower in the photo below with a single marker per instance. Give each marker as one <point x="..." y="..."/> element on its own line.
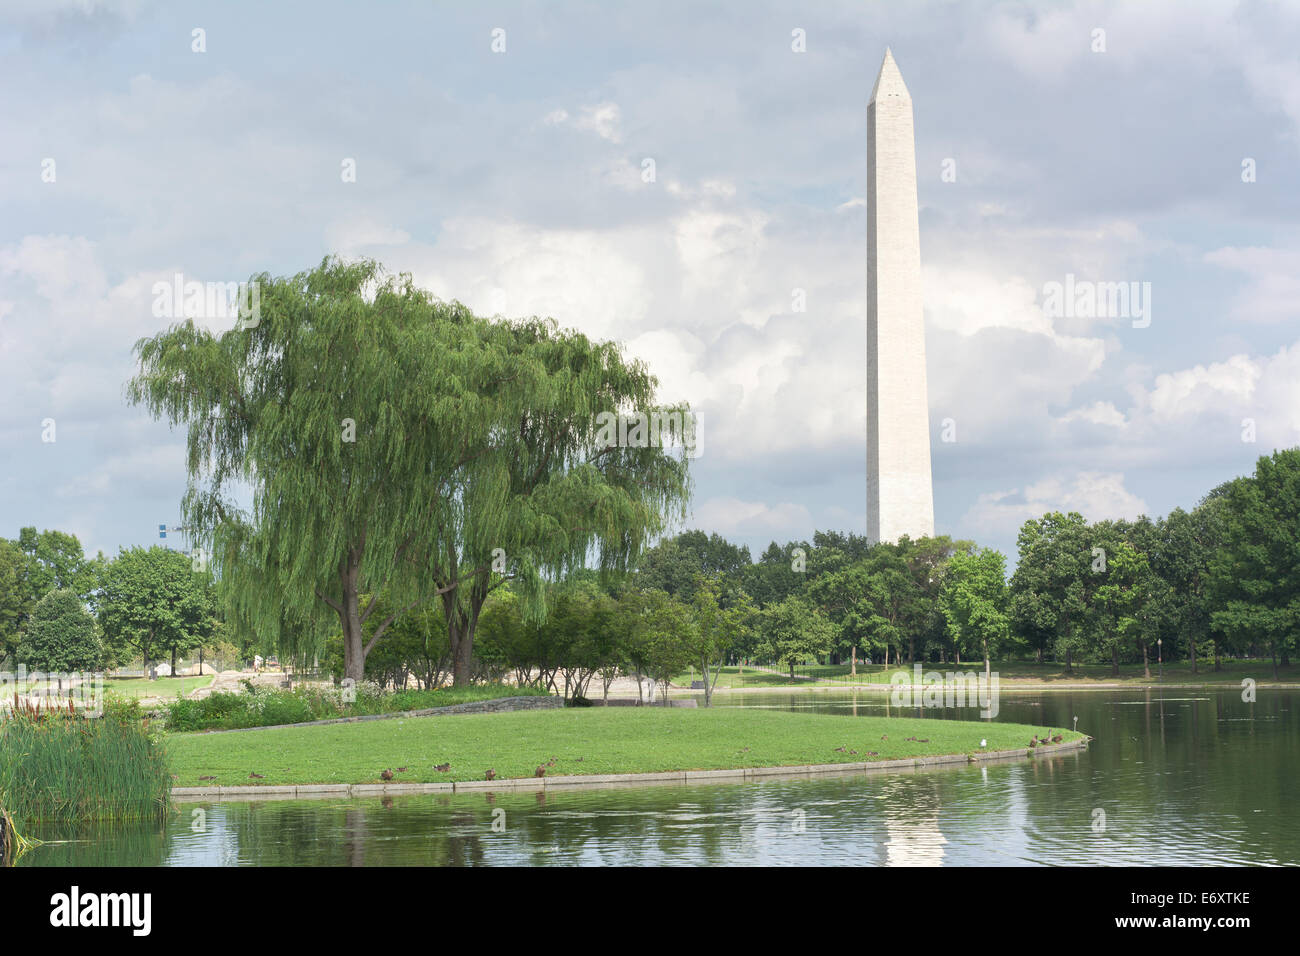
<point x="899" y="495"/>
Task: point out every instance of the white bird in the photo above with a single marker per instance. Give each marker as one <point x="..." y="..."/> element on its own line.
<point x="984" y="742"/>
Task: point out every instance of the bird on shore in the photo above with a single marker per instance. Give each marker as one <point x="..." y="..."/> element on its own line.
<point x="872" y="753"/>
<point x="1034" y="742"/>
<point x="491" y="775"/>
<point x="884" y="737"/>
<point x="256" y="776"/>
<point x="401" y="770"/>
<point x="923" y="740"/>
<point x="541" y="772"/>
<point x="386" y="775"/>
<point x="839" y="750"/>
<point x="1057" y="739"/>
<point x="444" y="767"/>
<point x="207" y="778"/>
<point x="983" y="742"/>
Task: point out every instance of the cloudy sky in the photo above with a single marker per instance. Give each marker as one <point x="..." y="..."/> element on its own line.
<point x="513" y="181"/>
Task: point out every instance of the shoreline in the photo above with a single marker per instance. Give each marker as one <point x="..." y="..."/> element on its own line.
<point x="672" y="777"/>
<point x="1004" y="686"/>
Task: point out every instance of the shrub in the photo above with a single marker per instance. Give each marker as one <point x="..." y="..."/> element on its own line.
<point x="269" y="708"/>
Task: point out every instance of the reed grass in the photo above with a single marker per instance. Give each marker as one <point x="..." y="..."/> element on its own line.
<point x="60" y="767"/>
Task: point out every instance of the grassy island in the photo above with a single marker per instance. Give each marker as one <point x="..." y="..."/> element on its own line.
<point x="573" y="741"/>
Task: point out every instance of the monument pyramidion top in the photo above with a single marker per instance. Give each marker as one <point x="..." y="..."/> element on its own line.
<point x="889" y="82"/>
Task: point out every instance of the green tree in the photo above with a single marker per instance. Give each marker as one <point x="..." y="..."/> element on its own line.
<point x="1117" y="601"/>
<point x="724" y="622"/>
<point x="153" y="602"/>
<point x="1051" y="585"/>
<point x="677" y="565"/>
<point x="1255" y="577"/>
<point x="14" y="607"/>
<point x="662" y="638"/>
<point x="402" y="448"/>
<point x="793" y="631"/>
<point x="61" y="636"/>
<point x="558" y="481"/>
<point x="974" y="600"/>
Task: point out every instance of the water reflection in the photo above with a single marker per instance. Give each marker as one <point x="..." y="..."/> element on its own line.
<point x="1189" y="778"/>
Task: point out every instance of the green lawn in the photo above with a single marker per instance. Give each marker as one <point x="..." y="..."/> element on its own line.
<point x="608" y="740"/>
<point x="163" y="687"/>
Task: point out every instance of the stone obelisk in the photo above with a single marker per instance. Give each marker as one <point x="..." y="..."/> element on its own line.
<point x="900" y="500"/>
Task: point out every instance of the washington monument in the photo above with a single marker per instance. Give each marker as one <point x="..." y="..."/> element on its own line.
<point x="899" y="497"/>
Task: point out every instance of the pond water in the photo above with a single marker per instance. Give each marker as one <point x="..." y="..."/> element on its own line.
<point x="1173" y="776"/>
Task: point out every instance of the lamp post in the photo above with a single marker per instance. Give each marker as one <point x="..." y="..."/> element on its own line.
<point x="1160" y="653"/>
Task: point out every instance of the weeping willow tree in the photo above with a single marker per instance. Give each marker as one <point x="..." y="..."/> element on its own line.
<point x="399" y="450"/>
<point x="584" y="467"/>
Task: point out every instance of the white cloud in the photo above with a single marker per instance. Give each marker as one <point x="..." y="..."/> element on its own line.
<point x="1094" y="494"/>
<point x="1272" y="292"/>
<point x="733" y="516"/>
<point x="350" y="237"/>
<point x="1189" y="392"/>
<point x="604" y="119"/>
<point x="1098" y="413"/>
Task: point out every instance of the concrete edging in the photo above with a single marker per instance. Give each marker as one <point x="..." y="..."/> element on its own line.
<point x="682" y="777"/>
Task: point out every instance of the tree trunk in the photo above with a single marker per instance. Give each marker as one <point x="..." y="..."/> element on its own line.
<point x="1146" y="662"/>
<point x="461" y="655"/>
<point x="354" y="650"/>
<point x="1114" y="662"/>
<point x="1218" y="663"/>
<point x="173" y="660"/>
<point x="853" y="662"/>
<point x="1193" y="645"/>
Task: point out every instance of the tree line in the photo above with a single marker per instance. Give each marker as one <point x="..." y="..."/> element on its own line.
<point x="1222" y="579"/>
<point x="61" y="612"/>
